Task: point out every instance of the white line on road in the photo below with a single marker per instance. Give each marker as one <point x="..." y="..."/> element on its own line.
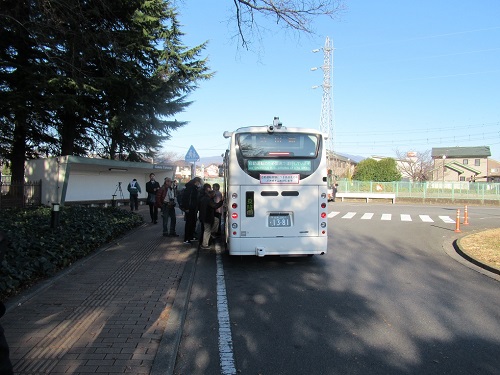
<point x="426" y="218"/>
<point x="405" y="217"/>
<point x="386" y="217"/>
<point x="349" y="215"/>
<point x="367" y="216"/>
<point x="447" y="219"/>
<point x="333" y="214"/>
<point x="225" y="339"/>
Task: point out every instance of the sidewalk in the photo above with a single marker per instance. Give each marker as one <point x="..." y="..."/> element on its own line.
<point x="118" y="311"/>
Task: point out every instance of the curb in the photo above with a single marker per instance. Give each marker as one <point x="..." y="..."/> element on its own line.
<point x="462" y="253"/>
<point x="165" y="359"/>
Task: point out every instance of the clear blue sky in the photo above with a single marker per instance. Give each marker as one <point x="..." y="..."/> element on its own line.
<point x="407" y="76"/>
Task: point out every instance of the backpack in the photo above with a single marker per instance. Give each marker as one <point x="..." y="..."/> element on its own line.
<point x="180" y="194"/>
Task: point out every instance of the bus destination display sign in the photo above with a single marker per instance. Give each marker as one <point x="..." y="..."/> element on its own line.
<point x="280" y="165"/>
<point x="279" y="178"/>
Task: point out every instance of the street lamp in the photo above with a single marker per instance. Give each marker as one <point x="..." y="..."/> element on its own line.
<point x="444" y="158"/>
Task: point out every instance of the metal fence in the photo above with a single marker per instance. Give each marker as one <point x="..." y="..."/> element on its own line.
<point x="476" y="191"/>
<point x="20" y="194"/>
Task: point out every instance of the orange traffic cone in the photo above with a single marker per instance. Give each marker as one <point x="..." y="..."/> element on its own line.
<point x="466" y="216"/>
<point x="457" y="222"/>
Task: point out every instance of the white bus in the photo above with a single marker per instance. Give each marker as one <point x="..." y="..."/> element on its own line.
<point x="275" y="185"/>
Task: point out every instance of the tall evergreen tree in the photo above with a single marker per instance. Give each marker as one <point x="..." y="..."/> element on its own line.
<point x="98" y="75"/>
<point x="23" y="71"/>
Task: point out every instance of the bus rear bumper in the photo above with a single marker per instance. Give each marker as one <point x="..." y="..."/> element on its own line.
<point x="277" y="246"/>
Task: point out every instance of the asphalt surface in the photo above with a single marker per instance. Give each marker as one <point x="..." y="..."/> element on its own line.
<point x="120" y="310"/>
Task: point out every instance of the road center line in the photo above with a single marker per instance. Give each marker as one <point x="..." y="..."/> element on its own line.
<point x="225" y="339"/>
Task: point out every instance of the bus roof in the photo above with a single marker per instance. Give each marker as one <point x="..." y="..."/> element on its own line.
<point x="270" y="129"/>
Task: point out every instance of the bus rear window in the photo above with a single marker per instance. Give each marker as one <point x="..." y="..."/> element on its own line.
<point x="265" y="145"/>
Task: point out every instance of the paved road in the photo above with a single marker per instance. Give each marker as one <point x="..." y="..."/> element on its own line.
<point x="386" y="299"/>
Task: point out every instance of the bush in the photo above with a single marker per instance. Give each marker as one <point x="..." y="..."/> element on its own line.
<point x="36" y="251"/>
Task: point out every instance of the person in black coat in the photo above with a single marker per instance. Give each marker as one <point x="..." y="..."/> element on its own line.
<point x="190" y="207"/>
<point x="152" y="186"/>
<point x="5" y="363"/>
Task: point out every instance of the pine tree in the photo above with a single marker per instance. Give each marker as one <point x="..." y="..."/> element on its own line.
<point x="105" y="76"/>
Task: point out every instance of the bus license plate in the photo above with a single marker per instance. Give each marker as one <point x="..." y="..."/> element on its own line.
<point x="279" y="220"/>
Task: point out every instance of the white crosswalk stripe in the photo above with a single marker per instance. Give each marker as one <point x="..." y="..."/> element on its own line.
<point x="387" y="217"/>
<point x="426" y="218"/>
<point x="349" y="215"/>
<point x="447" y="219"/>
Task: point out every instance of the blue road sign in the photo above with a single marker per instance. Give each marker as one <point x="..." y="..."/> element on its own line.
<point x="192" y="155"/>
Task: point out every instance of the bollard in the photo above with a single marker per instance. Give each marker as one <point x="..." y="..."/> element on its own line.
<point x="466" y="216"/>
<point x="457" y="222"/>
<point x="113" y="201"/>
<point x="54" y="216"/>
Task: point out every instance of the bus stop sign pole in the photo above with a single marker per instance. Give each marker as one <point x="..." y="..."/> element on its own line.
<point x="192" y="157"/>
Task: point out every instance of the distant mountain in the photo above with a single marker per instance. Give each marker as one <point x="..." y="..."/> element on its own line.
<point x="210" y="160"/>
<point x="356" y="158"/>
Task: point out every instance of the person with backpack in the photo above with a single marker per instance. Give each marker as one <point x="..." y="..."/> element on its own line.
<point x="218" y="211"/>
<point x="134" y="189"/>
<point x="190" y="207"/>
<point x="178" y="195"/>
<point x="207" y="216"/>
<point x="165" y="199"/>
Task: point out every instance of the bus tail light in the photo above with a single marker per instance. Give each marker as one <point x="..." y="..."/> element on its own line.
<point x="323" y="215"/>
<point x="234" y="215"/>
<point x="234" y="205"/>
<point x="323" y="205"/>
<point x="323" y="225"/>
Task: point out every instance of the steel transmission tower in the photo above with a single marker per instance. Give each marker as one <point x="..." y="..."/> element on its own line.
<point x="326" y="119"/>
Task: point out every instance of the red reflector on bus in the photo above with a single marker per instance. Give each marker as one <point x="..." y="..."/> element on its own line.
<point x="234" y="215"/>
<point x="234" y="205"/>
<point x="323" y="215"/>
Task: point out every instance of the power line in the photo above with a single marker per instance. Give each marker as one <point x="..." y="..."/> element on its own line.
<point x="428" y="130"/>
<point x="422" y="141"/>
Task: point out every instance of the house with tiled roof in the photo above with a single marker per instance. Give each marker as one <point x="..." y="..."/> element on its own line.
<point x="463" y="164"/>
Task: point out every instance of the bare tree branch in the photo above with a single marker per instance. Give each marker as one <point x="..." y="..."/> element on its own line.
<point x="296" y="15"/>
<point x="416" y="166"/>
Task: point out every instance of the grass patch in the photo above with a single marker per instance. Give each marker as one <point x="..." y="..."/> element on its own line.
<point x="483" y="246"/>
